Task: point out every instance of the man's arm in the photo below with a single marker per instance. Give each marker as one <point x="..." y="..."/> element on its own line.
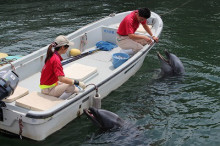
<point x="148" y="30"/>
<point x="134" y="37"/>
<point x="146" y="27"/>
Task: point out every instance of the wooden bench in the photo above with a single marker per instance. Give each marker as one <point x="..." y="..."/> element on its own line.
<point x="18" y="93"/>
<point x="38" y="102"/>
<point x="79" y="72"/>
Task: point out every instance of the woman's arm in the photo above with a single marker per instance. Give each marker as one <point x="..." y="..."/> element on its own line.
<point x="65" y="80"/>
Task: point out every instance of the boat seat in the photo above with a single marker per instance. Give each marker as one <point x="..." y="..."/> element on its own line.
<point x="18" y="93"/>
<point x="140" y="28"/>
<point x="38" y="102"/>
<point x="79" y="72"/>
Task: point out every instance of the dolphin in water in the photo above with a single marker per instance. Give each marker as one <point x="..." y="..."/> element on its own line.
<point x="104" y="119"/>
<point x="121" y="130"/>
<point x="172" y="65"/>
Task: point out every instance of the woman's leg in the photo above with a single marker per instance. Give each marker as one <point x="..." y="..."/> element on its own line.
<point x="60" y="89"/>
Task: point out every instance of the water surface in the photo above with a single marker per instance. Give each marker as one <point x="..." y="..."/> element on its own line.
<point x="158" y="111"/>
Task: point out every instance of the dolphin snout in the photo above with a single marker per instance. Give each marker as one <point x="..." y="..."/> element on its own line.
<point x="162" y="58"/>
<point x="91" y="114"/>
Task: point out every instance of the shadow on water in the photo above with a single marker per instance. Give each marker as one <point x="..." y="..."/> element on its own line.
<point x="127" y="135"/>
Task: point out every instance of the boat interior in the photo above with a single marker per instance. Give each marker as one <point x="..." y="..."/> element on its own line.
<point x="90" y="69"/>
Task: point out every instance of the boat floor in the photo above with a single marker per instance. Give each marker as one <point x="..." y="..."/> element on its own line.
<point x="102" y="60"/>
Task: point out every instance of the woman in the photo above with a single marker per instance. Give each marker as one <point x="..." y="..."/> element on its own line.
<point x="53" y="81"/>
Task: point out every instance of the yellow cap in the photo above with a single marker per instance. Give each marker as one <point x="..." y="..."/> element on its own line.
<point x="3" y="55"/>
<point x="75" y="52"/>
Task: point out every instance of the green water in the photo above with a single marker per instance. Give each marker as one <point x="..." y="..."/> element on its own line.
<point x="171" y="111"/>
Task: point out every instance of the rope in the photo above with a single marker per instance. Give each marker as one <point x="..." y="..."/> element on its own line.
<point x="4" y="61"/>
<point x="175" y="8"/>
<point x="83" y="41"/>
<point x="20" y="127"/>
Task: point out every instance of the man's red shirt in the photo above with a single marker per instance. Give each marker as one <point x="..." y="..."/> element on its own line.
<point x="129" y="24"/>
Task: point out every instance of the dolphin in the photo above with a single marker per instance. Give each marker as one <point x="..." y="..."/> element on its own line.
<point x="104" y="119"/>
<point x="172" y="65"/>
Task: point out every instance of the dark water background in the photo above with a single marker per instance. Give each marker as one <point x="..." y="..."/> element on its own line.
<point x="171" y="111"/>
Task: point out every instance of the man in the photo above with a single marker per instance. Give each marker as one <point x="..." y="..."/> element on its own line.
<point x="126" y="38"/>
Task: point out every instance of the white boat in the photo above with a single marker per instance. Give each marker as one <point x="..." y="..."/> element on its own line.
<point x="30" y="114"/>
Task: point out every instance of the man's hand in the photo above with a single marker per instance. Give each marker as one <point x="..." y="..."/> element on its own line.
<point x="156" y="39"/>
<point x="148" y="40"/>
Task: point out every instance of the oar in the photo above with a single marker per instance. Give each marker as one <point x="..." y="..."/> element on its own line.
<point x="71" y="59"/>
<point x="101" y="45"/>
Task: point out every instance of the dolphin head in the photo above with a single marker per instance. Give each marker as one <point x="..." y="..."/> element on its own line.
<point x="104" y="119"/>
<point x="172" y="65"/>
